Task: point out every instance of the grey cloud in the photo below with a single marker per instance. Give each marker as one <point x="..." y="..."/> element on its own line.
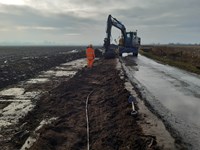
<point x="27" y="16"/>
<point x="88" y="20"/>
<point x="162" y="14"/>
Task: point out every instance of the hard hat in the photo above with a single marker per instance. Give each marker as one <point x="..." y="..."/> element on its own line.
<point x="90" y="46"/>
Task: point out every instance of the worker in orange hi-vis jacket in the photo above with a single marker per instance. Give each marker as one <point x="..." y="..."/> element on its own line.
<point x="90" y="56"/>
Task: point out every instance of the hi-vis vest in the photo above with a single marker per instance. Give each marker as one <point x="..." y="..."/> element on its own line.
<point x="90" y="53"/>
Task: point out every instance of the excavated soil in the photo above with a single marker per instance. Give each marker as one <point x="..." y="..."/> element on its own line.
<point x="111" y="125"/>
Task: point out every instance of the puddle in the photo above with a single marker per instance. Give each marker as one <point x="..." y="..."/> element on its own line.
<point x="61" y="68"/>
<point x="13" y="100"/>
<point x="14" y="111"/>
<point x="4" y="123"/>
<point x="72" y="51"/>
<point x="17" y="94"/>
<point x="16" y="102"/>
<point x="65" y="69"/>
<point x="78" y="63"/>
<point x="44" y="122"/>
<point x="33" y="138"/>
<point x="58" y="73"/>
<point x="30" y="95"/>
<point x="20" y="105"/>
<point x="65" y="73"/>
<point x="49" y="72"/>
<point x="38" y="81"/>
<point x="12" y="91"/>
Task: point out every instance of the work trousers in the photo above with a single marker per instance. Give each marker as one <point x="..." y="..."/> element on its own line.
<point x="90" y="63"/>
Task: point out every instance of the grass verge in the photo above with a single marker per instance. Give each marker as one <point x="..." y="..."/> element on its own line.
<point x="178" y="64"/>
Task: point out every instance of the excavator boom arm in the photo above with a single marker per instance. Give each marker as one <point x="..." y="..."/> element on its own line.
<point x="113" y="22"/>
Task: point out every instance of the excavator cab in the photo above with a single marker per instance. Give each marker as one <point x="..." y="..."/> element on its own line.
<point x="131" y="44"/>
<point x="129" y="41"/>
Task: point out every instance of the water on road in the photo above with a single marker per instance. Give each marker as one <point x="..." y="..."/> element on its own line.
<point x="176" y="90"/>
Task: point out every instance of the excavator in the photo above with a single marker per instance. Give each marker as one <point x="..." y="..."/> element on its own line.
<point x="129" y="42"/>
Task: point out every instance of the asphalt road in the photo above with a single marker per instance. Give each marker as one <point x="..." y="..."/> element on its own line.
<point x="172" y="93"/>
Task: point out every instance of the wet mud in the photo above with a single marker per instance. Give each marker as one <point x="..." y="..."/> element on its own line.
<point x="111" y="125"/>
<point x="17" y="69"/>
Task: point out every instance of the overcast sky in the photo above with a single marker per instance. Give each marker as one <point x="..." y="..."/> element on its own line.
<point x="84" y="21"/>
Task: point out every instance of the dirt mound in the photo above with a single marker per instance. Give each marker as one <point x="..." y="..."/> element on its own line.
<point x="111" y="126"/>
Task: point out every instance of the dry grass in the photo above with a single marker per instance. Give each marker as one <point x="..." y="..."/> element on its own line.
<point x="184" y="57"/>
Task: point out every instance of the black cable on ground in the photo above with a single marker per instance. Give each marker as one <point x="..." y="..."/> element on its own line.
<point x="87" y="120"/>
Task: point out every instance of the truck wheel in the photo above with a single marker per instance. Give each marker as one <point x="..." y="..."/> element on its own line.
<point x="135" y="54"/>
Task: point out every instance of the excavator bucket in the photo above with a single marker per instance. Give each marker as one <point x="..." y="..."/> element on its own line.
<point x="110" y="51"/>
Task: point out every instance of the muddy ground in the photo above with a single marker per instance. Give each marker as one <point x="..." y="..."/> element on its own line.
<point x="21" y="63"/>
<point x="111" y="125"/>
<point x="13" y="70"/>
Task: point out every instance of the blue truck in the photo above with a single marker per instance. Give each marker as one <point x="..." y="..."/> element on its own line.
<point x="128" y="43"/>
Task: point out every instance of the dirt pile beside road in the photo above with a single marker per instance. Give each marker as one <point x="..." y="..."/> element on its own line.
<point x="111" y="126"/>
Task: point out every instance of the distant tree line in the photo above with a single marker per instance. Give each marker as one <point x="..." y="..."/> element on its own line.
<point x="184" y="44"/>
<point x="176" y="44"/>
